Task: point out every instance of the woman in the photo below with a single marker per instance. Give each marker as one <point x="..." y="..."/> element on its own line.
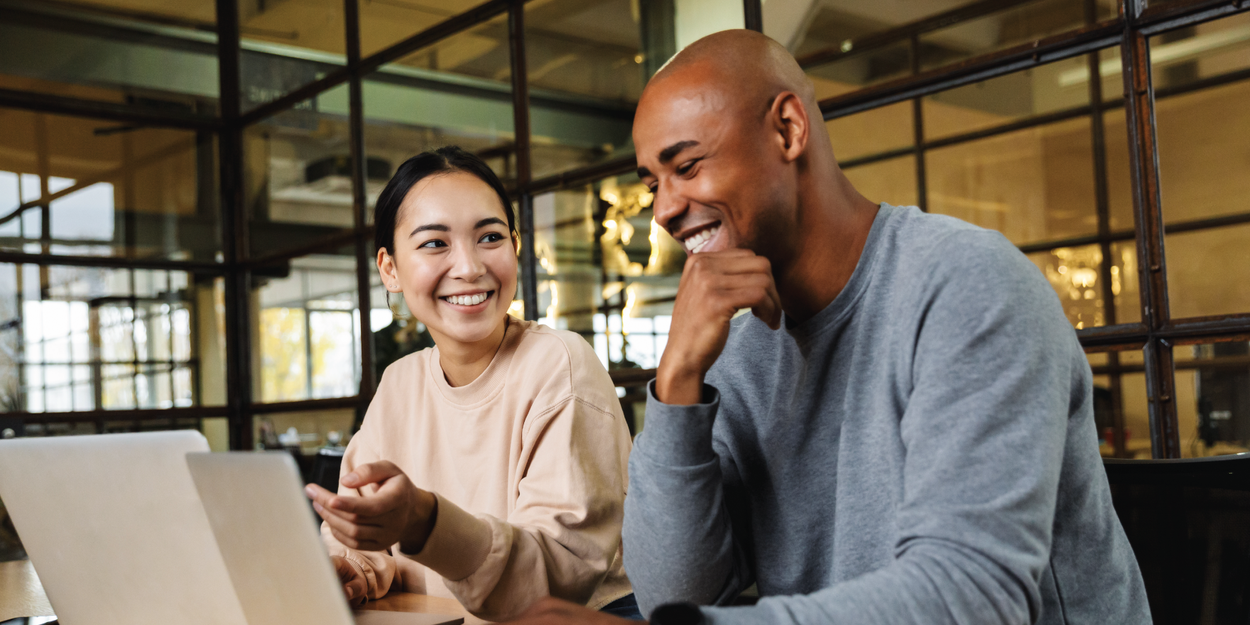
<point x="493" y="465"/>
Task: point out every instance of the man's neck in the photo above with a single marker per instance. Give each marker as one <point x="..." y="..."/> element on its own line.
<point x="834" y="223"/>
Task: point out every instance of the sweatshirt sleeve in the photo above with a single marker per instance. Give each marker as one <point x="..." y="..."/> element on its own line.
<point x="378" y="566"/>
<point x="678" y="528"/>
<point x="983" y="430"/>
<point x="563" y="534"/>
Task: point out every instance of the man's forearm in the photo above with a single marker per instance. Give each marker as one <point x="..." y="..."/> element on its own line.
<point x="678" y="537"/>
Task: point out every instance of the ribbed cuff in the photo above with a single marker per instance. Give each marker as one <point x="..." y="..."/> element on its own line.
<point x="457" y="545"/>
<point x="679" y="435"/>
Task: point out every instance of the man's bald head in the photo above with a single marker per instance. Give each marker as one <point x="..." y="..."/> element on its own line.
<point x="748" y="63"/>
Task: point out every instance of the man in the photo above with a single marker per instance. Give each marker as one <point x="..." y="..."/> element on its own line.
<point x="902" y="433"/>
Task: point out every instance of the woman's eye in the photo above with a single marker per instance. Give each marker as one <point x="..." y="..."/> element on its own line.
<point x="491" y="237"/>
<point x="432" y="243"/>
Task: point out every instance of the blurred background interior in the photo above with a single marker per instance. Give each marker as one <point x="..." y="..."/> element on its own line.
<point x="186" y="188"/>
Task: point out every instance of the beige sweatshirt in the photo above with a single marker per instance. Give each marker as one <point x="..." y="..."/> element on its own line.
<point x="528" y="463"/>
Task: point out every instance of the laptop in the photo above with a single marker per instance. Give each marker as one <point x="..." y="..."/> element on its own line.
<point x="116" y="530"/>
<point x="269" y="540"/>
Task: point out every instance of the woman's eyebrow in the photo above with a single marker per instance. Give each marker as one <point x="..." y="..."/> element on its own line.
<point x="423" y="228"/>
<point x="488" y="221"/>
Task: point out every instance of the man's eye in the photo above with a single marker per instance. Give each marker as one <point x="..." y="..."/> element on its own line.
<point x="653" y="188"/>
<point x="685" y="167"/>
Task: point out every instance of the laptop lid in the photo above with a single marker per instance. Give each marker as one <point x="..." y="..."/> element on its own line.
<point x="270" y="542"/>
<point x="115" y="529"/>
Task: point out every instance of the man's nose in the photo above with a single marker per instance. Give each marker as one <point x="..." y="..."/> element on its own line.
<point x="669" y="208"/>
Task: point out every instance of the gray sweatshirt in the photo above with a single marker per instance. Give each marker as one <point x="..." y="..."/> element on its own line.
<point x="923" y="450"/>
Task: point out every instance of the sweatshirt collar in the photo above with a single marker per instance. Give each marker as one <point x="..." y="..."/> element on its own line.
<point x="490" y="382"/>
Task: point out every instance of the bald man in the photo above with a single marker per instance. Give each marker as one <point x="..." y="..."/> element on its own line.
<point x="902" y="432"/>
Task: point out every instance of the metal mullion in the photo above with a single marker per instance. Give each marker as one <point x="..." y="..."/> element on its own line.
<point x="61" y="105"/>
<point x="44" y="260"/>
<point x="234" y="230"/>
<point x="304" y="405"/>
<point x="144" y="414"/>
<point x="1148" y="218"/>
<point x="363" y="249"/>
<point x="752" y="16"/>
<point x="521" y="139"/>
<point x="1180" y="13"/>
<point x="581" y="176"/>
<point x="917" y="117"/>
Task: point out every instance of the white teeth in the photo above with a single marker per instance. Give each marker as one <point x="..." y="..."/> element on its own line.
<point x="467" y="300"/>
<point x="696" y="242"/>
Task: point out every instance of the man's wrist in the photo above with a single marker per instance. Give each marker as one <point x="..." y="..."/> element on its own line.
<point x="677" y="386"/>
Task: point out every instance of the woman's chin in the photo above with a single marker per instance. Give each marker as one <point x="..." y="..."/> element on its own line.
<point x="470" y="332"/>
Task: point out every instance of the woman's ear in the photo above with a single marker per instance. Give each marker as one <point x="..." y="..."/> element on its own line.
<point x="388" y="271"/>
<point x="516" y="242"/>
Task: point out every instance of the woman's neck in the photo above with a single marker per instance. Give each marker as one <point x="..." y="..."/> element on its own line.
<point x="462" y="363"/>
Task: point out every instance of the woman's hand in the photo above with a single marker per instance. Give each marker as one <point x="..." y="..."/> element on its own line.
<point x="397" y="512"/>
<point x="353" y="580"/>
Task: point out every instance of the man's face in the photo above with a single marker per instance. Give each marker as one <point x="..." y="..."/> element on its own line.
<point x="706" y="158"/>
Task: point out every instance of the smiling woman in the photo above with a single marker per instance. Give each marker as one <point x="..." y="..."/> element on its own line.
<point x="527" y="410"/>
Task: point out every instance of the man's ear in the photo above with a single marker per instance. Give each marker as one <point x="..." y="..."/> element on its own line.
<point x="788" y="119"/>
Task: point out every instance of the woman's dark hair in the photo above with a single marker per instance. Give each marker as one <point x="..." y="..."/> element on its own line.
<point x="441" y="161"/>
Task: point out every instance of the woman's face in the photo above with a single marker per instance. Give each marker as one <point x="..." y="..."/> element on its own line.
<point x="455" y="259"/>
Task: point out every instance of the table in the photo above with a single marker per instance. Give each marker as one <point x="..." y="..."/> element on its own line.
<point x="21" y="594"/>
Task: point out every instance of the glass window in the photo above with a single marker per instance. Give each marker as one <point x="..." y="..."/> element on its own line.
<point x="1057" y="86"/>
<point x="384" y="23"/>
<point x="146" y="54"/>
<point x="1209" y="271"/>
<point x="892" y="181"/>
<point x="308" y="329"/>
<point x="1032" y="185"/>
<point x="83" y="338"/>
<point x="586" y="67"/>
<point x="105" y="189"/>
<point x="1213" y="398"/>
<point x="456" y="92"/>
<point x="286" y="45"/>
<point x="1182" y="57"/>
<point x="1202" y="164"/>
<point x="1076" y="275"/>
<point x="315" y="428"/>
<point x="872" y="132"/>
<point x="297" y="174"/>
<point x="1023" y="23"/>
<point x="1120" y="400"/>
<point x="853" y="72"/>
<point x="606" y="270"/>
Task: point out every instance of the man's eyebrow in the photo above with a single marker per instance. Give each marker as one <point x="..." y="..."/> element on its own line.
<point x="423" y="228"/>
<point x="643" y="172"/>
<point x="669" y="152"/>
<point x="488" y="221"/>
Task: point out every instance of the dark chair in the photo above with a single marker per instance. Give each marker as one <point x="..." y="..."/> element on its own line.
<point x="1189" y="524"/>
<point x="325" y="468"/>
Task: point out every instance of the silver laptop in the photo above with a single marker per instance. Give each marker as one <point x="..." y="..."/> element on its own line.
<point x="117" y="532"/>
<point x="269" y="541"/>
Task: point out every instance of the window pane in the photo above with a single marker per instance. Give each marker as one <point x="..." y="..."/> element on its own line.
<point x="306" y="335"/>
<point x="286" y="45"/>
<point x="1202" y="146"/>
<point x="456" y="92"/>
<point x="872" y="132"/>
<point x="1120" y="382"/>
<point x="313" y="427"/>
<point x="111" y="190"/>
<point x="133" y="56"/>
<point x="859" y="70"/>
<point x="1119" y="171"/>
<point x="384" y="23"/>
<point x="1076" y="275"/>
<point x="606" y="270"/>
<point x="1209" y="271"/>
<point x="297" y="174"/>
<point x="126" y="331"/>
<point x="586" y="67"/>
<point x="892" y="181"/>
<point x="1181" y="57"/>
<point x="1213" y="398"/>
<point x="1046" y="89"/>
<point x="1024" y="23"/>
<point x="1032" y="185"/>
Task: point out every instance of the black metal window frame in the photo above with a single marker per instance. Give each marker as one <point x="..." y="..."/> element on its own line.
<point x="1155" y="335"/>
